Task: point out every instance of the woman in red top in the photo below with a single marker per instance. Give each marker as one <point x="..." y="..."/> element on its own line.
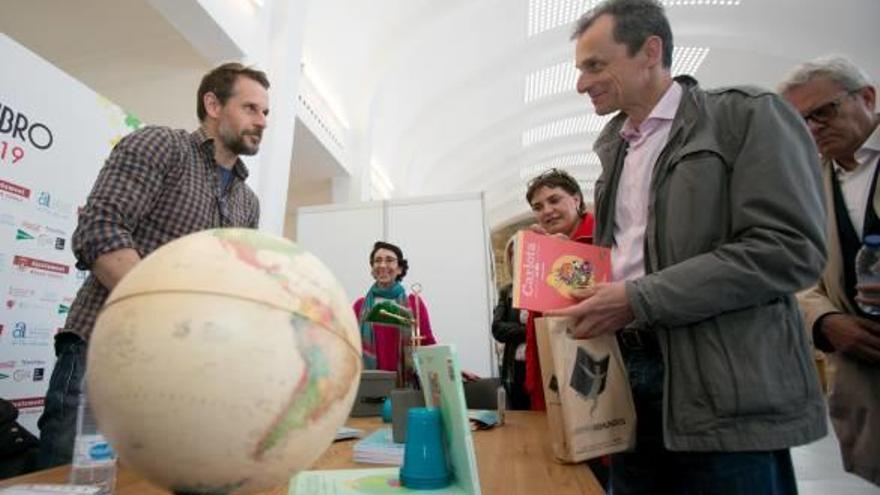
<point x="381" y="343"/>
<point x="558" y="205"/>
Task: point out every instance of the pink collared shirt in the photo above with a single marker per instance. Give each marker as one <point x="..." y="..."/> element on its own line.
<point x="646" y="141"/>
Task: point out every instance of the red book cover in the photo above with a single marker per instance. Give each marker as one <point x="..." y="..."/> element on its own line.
<point x="549" y="268"/>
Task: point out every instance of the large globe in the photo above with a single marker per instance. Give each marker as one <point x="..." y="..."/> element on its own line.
<point x="224" y="362"/>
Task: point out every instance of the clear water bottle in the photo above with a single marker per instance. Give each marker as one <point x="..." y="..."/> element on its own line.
<point x="501" y="397"/>
<point x="868" y="269"/>
<point x="94" y="462"/>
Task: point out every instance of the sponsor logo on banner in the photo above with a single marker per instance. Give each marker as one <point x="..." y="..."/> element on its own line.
<point x="54" y="231"/>
<point x="3" y="376"/>
<point x="22" y="375"/>
<point x="27" y="305"/>
<point x="50" y="296"/>
<point x="44" y="236"/>
<point x="28" y="370"/>
<point x="50" y="204"/>
<point x="21" y="292"/>
<point x="13" y="192"/>
<point x="28" y="402"/>
<point x="51" y="242"/>
<point x="63" y="309"/>
<point x="24" y="334"/>
<point x="39" y="267"/>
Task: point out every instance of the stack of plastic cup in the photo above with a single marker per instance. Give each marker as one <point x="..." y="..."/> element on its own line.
<point x="425" y="466"/>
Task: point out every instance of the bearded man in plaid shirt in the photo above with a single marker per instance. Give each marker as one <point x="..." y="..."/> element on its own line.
<point x="158" y="184"/>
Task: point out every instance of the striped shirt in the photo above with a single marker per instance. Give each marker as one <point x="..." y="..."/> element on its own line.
<point x="157" y="185"/>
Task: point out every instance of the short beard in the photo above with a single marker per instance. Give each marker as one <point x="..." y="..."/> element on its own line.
<point x="237" y="144"/>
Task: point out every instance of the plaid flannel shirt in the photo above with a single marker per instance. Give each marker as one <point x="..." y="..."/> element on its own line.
<point x="157" y="185"/>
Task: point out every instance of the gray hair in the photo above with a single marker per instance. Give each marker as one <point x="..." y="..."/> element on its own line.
<point x="634" y="22"/>
<point x="835" y="67"/>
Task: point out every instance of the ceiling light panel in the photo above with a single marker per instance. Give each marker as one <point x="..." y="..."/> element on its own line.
<point x="582" y="124"/>
<point x="562" y="77"/>
<point x="545" y="15"/>
<point x="586" y="164"/>
<point x="550" y="81"/>
<point x="548" y="14"/>
<point x="682" y="3"/>
<point x="688" y="59"/>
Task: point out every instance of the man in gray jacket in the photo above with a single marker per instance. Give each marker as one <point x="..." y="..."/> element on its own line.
<point x="710" y="242"/>
<point x="838" y="103"/>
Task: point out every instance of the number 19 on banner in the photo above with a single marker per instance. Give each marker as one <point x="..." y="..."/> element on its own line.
<point x="11" y="154"/>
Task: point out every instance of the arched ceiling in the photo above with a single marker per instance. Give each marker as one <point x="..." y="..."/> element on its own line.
<point x="469" y="95"/>
<point x="433" y="92"/>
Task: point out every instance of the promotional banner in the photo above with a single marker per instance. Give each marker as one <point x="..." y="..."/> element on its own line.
<point x="55" y="134"/>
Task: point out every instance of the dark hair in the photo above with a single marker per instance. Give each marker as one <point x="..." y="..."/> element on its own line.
<point x="221" y="81"/>
<point x="554" y="178"/>
<point x="401" y="262"/>
<point x="634" y="22"/>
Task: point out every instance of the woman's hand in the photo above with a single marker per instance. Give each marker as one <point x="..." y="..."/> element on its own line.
<point x="469" y="376"/>
<point x="538" y="229"/>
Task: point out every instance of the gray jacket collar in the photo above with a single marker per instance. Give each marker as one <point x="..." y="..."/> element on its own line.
<point x="609" y="140"/>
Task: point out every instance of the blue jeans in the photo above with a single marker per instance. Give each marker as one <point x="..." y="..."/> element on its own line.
<point x="652" y="469"/>
<point x="58" y="421"/>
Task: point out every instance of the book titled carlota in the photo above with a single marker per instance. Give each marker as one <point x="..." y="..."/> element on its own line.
<point x="549" y="269"/>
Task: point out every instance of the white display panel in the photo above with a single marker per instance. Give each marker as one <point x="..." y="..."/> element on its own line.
<point x="447" y="246"/>
<point x="341" y="236"/>
<point x="55" y="134"/>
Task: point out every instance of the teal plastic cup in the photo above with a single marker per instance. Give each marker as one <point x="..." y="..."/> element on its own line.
<point x="386" y="410"/>
<point x="425" y="466"/>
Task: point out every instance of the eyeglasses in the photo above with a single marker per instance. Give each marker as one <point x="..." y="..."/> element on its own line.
<point x="824" y="113"/>
<point x="553" y="175"/>
<point x="387" y="261"/>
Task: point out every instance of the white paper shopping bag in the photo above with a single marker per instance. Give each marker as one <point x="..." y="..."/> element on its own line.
<point x="586" y="389"/>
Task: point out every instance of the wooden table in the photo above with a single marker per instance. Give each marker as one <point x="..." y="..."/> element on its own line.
<point x="514" y="459"/>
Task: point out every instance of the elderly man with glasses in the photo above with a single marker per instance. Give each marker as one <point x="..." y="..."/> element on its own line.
<point x="838" y="103"/>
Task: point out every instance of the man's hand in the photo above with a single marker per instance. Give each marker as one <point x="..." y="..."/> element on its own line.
<point x="605" y="309"/>
<point x="868" y="294"/>
<point x="110" y="267"/>
<point x="854" y="336"/>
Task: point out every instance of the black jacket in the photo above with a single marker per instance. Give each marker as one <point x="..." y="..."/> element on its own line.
<point x="507" y="329"/>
